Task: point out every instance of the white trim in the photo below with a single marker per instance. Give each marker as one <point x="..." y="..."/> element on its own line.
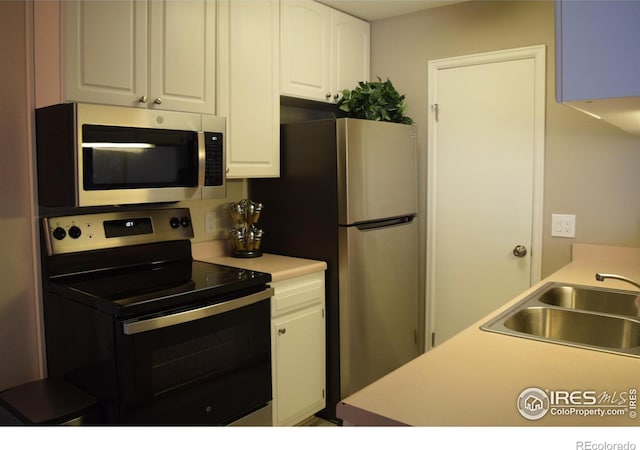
<point x="538" y="54"/>
<point x="31" y="98"/>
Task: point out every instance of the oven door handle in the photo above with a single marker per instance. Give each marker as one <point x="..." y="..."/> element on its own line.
<point x="140" y="326"/>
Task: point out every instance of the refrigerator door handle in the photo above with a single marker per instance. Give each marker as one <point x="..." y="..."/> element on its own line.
<point x="384" y="223"/>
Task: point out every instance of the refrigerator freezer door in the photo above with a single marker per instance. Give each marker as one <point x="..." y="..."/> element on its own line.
<point x="378" y="302"/>
<point x="377" y="170"/>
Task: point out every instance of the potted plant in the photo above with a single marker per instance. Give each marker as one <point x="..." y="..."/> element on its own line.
<point x="374" y="100"/>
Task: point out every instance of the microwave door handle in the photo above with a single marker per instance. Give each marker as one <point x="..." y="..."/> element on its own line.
<point x="202" y="158"/>
<point x="140" y="326"/>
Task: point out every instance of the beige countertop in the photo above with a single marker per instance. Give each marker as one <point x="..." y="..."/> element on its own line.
<point x="280" y="267"/>
<point x="476" y="377"/>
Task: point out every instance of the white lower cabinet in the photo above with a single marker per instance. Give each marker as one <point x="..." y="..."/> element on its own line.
<point x="298" y="348"/>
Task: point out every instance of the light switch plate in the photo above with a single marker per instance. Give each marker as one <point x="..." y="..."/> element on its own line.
<point x="210" y="222"/>
<point x="563" y="225"/>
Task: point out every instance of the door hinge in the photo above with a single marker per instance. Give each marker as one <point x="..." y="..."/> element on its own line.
<point x="433" y="339"/>
<point x="323" y="313"/>
<point x="436" y="110"/>
<point x="323" y="393"/>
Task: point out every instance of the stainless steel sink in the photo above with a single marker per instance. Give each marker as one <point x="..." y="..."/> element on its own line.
<point x="579" y="316"/>
<point x="592" y="299"/>
<point x="577" y="327"/>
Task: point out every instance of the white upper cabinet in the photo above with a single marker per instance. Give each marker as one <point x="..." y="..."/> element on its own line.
<point x="105" y="52"/>
<point x="152" y="54"/>
<point x="249" y="85"/>
<point x="305" y="49"/>
<point x="323" y="51"/>
<point x="597" y="60"/>
<point x="350" y="49"/>
<point x="182" y="55"/>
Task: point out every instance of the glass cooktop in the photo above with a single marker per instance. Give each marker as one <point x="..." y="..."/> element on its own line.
<point x="160" y="285"/>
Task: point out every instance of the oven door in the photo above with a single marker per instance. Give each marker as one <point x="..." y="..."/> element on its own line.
<point x="208" y="365"/>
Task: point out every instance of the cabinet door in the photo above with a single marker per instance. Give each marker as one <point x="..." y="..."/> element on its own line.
<point x="597" y="50"/>
<point x="350" y="48"/>
<point x="299" y="365"/>
<point x="182" y="55"/>
<point x="305" y="59"/>
<point x="105" y="58"/>
<point x="249" y="86"/>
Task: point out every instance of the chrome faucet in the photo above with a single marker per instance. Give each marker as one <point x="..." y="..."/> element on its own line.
<point x="604" y="276"/>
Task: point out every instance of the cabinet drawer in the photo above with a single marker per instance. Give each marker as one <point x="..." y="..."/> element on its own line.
<point x="297" y="293"/>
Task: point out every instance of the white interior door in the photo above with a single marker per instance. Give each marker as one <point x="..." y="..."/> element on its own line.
<point x="485" y="177"/>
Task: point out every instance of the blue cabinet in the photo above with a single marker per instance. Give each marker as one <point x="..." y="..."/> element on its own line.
<point x="598" y="59"/>
<point x="598" y="49"/>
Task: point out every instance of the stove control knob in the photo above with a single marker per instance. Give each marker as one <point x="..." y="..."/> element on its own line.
<point x="59" y="233"/>
<point x="75" y="232"/>
<point x="174" y="222"/>
<point x="185" y="221"/>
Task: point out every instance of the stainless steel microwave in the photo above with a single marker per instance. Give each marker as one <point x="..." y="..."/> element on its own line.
<point x="98" y="155"/>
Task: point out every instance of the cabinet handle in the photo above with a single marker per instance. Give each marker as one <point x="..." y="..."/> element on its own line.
<point x="282" y="331"/>
<point x="335" y="97"/>
<point x="328" y="95"/>
<point x="158" y="101"/>
<point x="143" y="99"/>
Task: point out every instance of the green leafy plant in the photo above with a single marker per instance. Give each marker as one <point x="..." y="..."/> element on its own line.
<point x="374" y="100"/>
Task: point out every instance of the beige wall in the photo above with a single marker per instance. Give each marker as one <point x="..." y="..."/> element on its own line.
<point x="236" y="190"/>
<point x="592" y="169"/>
<point x="19" y="315"/>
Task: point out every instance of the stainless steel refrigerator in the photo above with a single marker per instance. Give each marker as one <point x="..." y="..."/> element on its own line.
<point x="348" y="195"/>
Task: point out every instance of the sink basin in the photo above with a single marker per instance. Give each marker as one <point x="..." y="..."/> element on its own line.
<point x="577" y="327"/>
<point x="579" y="316"/>
<point x="591" y="299"/>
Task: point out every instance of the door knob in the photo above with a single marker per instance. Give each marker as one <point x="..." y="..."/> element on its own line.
<point x="520" y="251"/>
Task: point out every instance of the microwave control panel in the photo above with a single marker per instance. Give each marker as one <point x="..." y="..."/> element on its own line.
<point x="214" y="159"/>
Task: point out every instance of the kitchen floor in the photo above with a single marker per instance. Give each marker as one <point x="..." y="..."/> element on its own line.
<point x="316" y="422"/>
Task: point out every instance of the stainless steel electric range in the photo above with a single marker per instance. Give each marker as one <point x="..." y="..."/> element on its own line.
<point x="155" y="336"/>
